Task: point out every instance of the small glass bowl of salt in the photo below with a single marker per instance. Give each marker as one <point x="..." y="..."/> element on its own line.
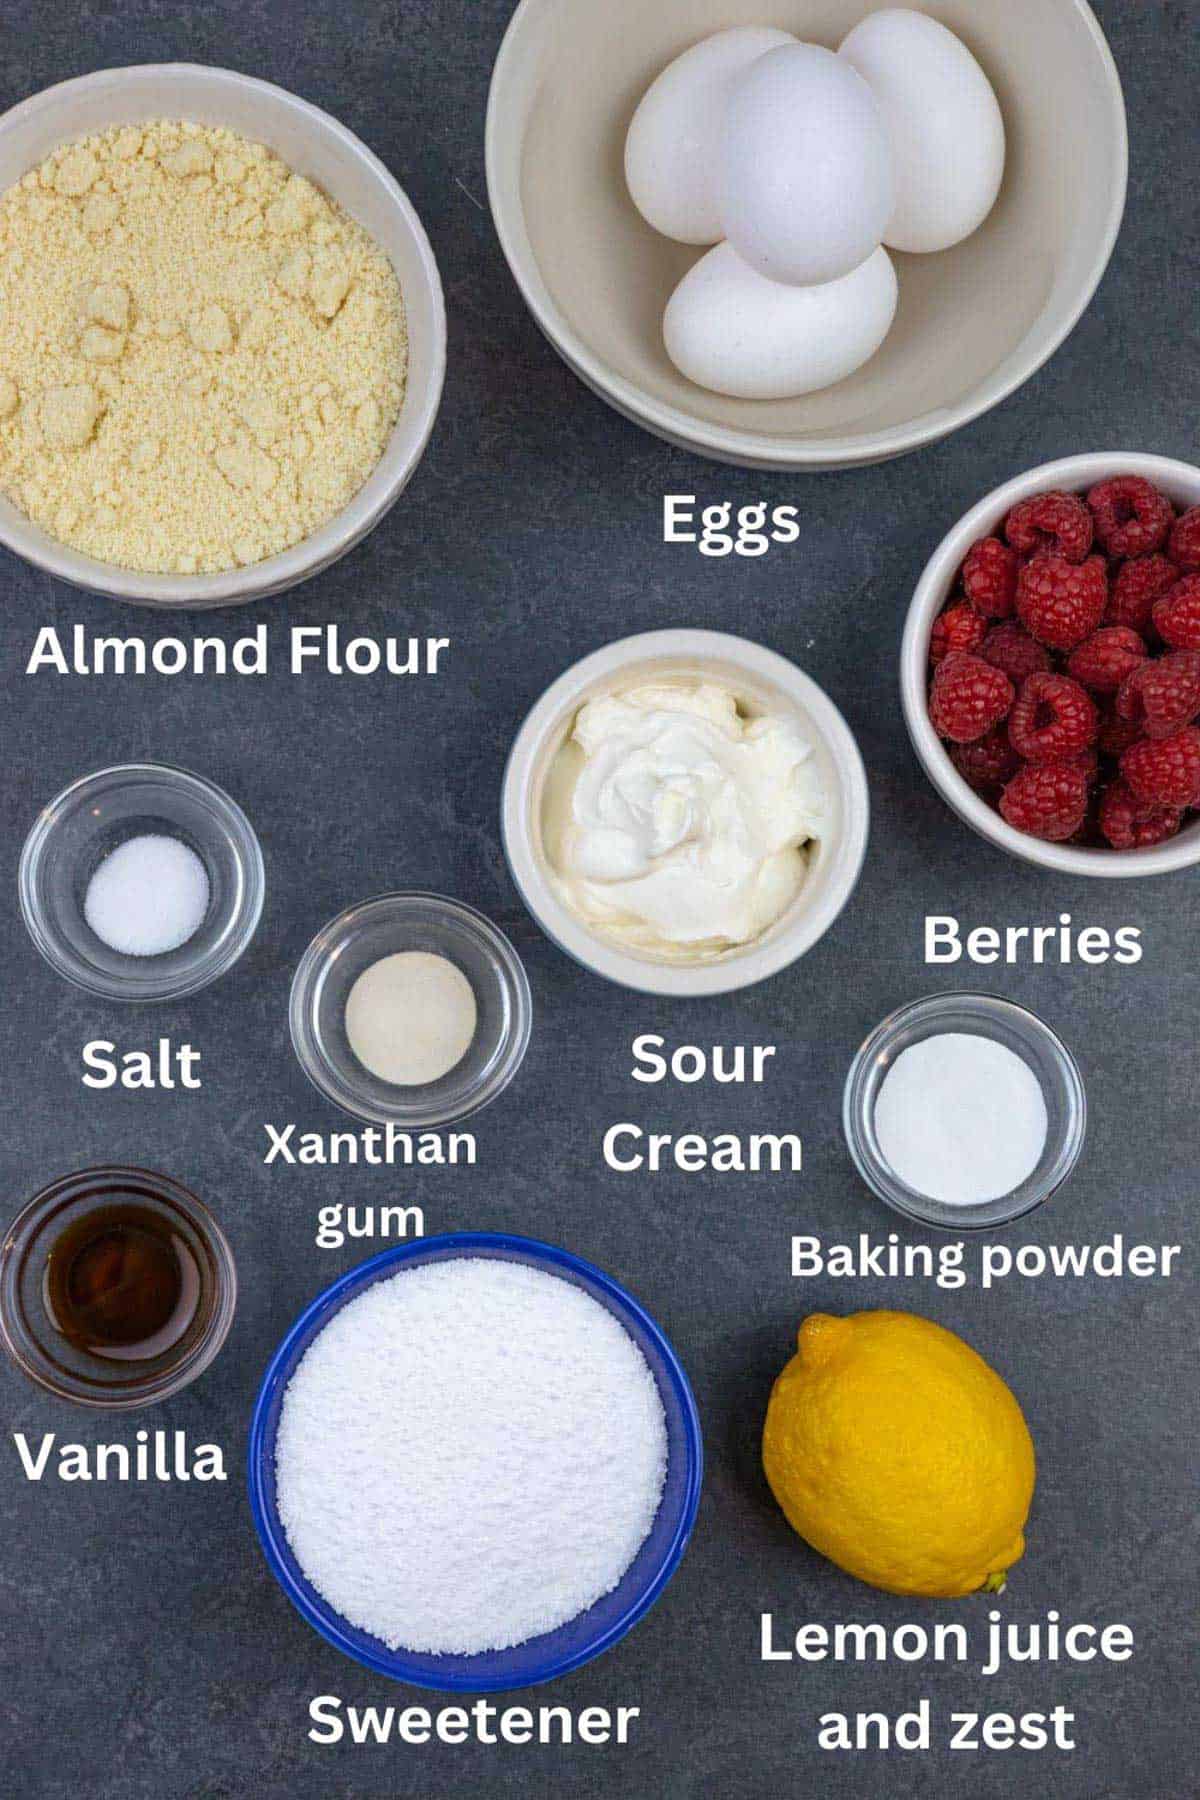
<point x="141" y="882"/>
<point x="964" y="1111"/>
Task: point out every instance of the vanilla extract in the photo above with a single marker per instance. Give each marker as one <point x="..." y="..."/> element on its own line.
<point x="120" y="1287"/>
<point x="120" y="1282"/>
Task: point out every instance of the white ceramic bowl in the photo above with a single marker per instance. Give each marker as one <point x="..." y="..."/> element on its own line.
<point x="974" y="322"/>
<point x="313" y="144"/>
<point x="755" y="675"/>
<point x="1074" y="473"/>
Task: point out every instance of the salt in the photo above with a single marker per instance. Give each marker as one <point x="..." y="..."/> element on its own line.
<point x="961" y="1119"/>
<point x="148" y="896"/>
<point x="469" y="1454"/>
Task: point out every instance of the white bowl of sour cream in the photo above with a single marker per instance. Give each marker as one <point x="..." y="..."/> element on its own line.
<point x="685" y="812"/>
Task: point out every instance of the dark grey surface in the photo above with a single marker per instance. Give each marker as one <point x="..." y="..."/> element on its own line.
<point x="146" y="1652"/>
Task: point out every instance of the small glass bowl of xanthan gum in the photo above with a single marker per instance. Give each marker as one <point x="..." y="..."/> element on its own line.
<point x="411" y="1010"/>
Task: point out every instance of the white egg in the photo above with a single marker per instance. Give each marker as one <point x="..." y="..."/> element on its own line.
<point x="730" y="329"/>
<point x="805" y="182"/>
<point x="670" y="152"/>
<point x="944" y="122"/>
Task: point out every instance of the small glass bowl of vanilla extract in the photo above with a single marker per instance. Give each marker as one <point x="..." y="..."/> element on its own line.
<point x="117" y="1288"/>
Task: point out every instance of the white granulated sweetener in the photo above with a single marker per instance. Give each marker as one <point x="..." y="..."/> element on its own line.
<point x="961" y="1119"/>
<point x="148" y="896"/>
<point x="469" y="1454"/>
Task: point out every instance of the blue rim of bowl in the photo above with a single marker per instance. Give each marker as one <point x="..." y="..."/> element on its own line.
<point x="282" y="1366"/>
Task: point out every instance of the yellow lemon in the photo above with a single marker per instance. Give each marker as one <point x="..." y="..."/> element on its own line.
<point x="897" y="1452"/>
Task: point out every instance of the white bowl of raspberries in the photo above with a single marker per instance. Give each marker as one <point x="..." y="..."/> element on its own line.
<point x="1050" y="671"/>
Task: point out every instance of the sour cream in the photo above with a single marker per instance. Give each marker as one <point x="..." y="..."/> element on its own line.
<point x="676" y="824"/>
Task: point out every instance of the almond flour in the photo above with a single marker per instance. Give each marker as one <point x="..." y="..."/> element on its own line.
<point x="201" y="356"/>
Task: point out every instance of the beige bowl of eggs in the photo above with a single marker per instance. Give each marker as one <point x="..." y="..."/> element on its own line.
<point x="779" y="286"/>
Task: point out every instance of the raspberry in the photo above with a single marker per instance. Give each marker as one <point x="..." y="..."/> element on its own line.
<point x="1065" y="669"/>
<point x="1162" y="696"/>
<point x="1136" y="586"/>
<point x="1166" y="773"/>
<point x="1132" y="518"/>
<point x="989" y="578"/>
<point x="987" y="763"/>
<point x="1061" y="603"/>
<point x="1183" y="547"/>
<point x="1128" y="824"/>
<point x="1010" y="647"/>
<point x="1058" y="523"/>
<point x="968" y="697"/>
<point x="1047" y="800"/>
<point x="1177" y="614"/>
<point x="1088" y="834"/>
<point x="1103" y="660"/>
<point x="960" y="627"/>
<point x="1052" y="719"/>
<point x="1116" y="734"/>
<point x="1089" y="761"/>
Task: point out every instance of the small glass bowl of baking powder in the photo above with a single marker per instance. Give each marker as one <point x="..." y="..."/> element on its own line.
<point x="1006" y="1028"/>
<point x="425" y="928"/>
<point x="139" y="810"/>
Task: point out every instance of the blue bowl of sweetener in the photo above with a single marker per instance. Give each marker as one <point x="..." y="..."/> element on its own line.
<point x="591" y="1632"/>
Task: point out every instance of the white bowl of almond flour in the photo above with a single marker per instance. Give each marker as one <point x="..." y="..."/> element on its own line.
<point x="222" y="336"/>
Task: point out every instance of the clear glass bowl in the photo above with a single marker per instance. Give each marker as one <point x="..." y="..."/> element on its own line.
<point x="976" y="1015"/>
<point x="41" y="1351"/>
<point x="361" y="936"/>
<point x="89" y="820"/>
